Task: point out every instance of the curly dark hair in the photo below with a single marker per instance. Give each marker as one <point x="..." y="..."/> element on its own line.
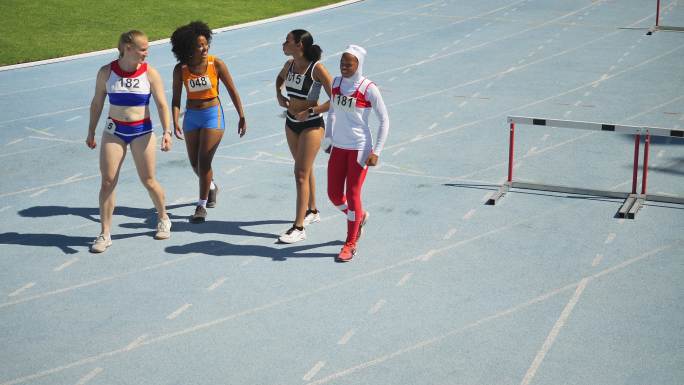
<point x="184" y="40"/>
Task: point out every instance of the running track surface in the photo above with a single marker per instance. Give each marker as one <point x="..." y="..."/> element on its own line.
<point x="543" y="288"/>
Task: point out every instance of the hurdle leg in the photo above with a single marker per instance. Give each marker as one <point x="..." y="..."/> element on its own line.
<point x="509" y="181"/>
<point x="624" y="210"/>
<point x="639" y="203"/>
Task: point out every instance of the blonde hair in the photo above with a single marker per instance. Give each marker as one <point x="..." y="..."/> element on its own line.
<point x="127" y="38"/>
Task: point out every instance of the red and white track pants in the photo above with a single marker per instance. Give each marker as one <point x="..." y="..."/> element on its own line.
<point x="344" y="168"/>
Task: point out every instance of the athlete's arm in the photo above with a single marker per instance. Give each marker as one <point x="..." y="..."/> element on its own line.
<point x="157" y="89"/>
<point x="227" y="80"/>
<point x="321" y="75"/>
<point x="177" y="88"/>
<point x="280" y="79"/>
<point x="373" y="96"/>
<point x="97" y="104"/>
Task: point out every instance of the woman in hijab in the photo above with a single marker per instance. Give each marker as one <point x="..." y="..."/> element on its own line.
<point x="351" y="144"/>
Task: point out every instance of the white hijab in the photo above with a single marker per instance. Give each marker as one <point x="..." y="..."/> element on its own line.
<point x="360" y="55"/>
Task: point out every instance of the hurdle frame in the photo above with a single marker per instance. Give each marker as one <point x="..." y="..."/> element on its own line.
<point x="633" y="200"/>
<point x="658" y="27"/>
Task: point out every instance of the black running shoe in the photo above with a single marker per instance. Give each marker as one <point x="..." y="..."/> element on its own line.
<point x="211" y="200"/>
<point x="199" y="216"/>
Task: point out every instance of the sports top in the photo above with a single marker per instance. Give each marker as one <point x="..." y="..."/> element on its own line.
<point x="204" y="86"/>
<point x="128" y="89"/>
<point x="302" y="86"/>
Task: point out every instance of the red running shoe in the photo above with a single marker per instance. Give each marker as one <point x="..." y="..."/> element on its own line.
<point x="347" y="253"/>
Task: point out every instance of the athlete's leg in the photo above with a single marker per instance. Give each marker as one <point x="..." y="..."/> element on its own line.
<point x="308" y="143"/>
<point x="356" y="175"/>
<point x="209" y="140"/>
<point x="337" y="174"/>
<point x="144" y="154"/>
<point x="112" y="154"/>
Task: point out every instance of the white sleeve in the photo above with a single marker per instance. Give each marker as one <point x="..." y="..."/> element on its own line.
<point x="330" y="121"/>
<point x="373" y="96"/>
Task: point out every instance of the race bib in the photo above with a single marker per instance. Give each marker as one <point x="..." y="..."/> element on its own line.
<point x="295" y="81"/>
<point x="110" y="126"/>
<point x="201" y="83"/>
<point x="344" y="103"/>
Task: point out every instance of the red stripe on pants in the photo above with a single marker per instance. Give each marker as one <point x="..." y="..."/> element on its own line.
<point x="344" y="169"/>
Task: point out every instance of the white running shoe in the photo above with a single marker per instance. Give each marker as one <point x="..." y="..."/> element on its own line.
<point x="366" y="215"/>
<point x="312" y="217"/>
<point x="292" y="235"/>
<point x="163" y="229"/>
<point x="100" y="244"/>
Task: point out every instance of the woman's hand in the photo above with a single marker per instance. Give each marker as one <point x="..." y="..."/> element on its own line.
<point x="90" y="140"/>
<point x="372" y="160"/>
<point x="166" y="141"/>
<point x="283" y="101"/>
<point x="302" y="115"/>
<point x="242" y="127"/>
<point x="178" y="132"/>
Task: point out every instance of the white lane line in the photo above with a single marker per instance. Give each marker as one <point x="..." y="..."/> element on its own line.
<point x="52" y="139"/>
<point x="660" y="154"/>
<point x="433" y="125"/>
<point x="621" y="221"/>
<point x="453" y="231"/>
<point x="376" y="308"/>
<point x="40" y="131"/>
<point x="346" y="337"/>
<point x="39" y="192"/>
<point x="551" y="338"/>
<point x="232" y="170"/>
<point x="531" y="151"/>
<point x="404" y="279"/>
<point x="74" y="118"/>
<point x="49" y="185"/>
<point x="463" y="103"/>
<point x="73" y="177"/>
<point x="93" y="373"/>
<point x="469" y="214"/>
<point x="610" y="238"/>
<point x="179" y="311"/>
<point x="393" y="78"/>
<point x="314" y="371"/>
<point x="428" y="256"/>
<point x="597" y="260"/>
<point x="544" y="138"/>
<point x="136" y="343"/>
<point x="398" y="151"/>
<point x="217" y="283"/>
<point x="21" y="289"/>
<point x="448" y="114"/>
<point x="15" y="141"/>
<point x="254" y="93"/>
<point x="5" y="208"/>
<point x="66" y="264"/>
<point x="406" y="70"/>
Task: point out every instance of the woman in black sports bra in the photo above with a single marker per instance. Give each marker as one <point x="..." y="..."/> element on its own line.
<point x="303" y="76"/>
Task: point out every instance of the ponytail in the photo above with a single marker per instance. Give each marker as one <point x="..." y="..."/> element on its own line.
<point x="312" y="52"/>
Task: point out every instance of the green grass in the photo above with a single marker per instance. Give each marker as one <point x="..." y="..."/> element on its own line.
<point x="42" y="29"/>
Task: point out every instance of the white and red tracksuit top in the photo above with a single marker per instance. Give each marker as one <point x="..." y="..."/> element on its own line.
<point x="347" y="125"/>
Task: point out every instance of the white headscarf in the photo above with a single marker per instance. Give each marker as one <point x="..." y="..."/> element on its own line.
<point x="360" y="55"/>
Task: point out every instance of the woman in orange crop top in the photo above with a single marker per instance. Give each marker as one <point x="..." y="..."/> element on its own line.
<point x="203" y="125"/>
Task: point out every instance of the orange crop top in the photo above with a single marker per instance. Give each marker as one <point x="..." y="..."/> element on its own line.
<point x="203" y="86"/>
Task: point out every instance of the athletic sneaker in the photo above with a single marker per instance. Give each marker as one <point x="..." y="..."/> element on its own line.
<point x="211" y="200"/>
<point x="366" y="215"/>
<point x="347" y="253"/>
<point x="163" y="229"/>
<point x="101" y="243"/>
<point x="292" y="235"/>
<point x="312" y="217"/>
<point x="199" y="216"/>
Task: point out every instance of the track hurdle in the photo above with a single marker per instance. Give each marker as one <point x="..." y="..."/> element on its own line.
<point x="659" y="27"/>
<point x="634" y="200"/>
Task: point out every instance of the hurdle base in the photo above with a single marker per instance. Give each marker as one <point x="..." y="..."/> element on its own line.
<point x="631" y="206"/>
<point x="503" y="189"/>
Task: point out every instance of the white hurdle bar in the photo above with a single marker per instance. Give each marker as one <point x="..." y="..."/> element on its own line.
<point x="633" y="200"/>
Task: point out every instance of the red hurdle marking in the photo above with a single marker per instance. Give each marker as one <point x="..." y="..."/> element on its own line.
<point x="510" y="153"/>
<point x="647" y="143"/>
<point x="636" y="163"/>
